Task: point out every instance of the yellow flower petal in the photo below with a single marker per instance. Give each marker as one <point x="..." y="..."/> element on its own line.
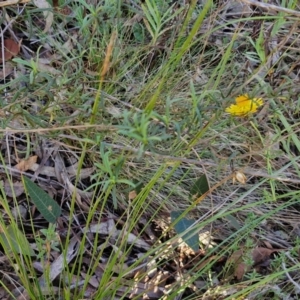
<point x="244" y="105"/>
<point x="242" y="98"/>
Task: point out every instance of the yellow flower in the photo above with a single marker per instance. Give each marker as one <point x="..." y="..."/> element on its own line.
<point x="244" y="105"/>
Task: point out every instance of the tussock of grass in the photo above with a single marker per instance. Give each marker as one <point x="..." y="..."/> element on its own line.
<point x="135" y="100"/>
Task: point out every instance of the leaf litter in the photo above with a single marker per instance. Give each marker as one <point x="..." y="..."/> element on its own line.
<point x="57" y="173"/>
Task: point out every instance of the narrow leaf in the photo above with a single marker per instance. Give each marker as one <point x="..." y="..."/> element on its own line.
<point x="14" y="240"/>
<point x="191" y="237"/>
<point x="44" y="203"/>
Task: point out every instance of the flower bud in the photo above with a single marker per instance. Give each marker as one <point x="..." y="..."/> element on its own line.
<point x="240" y="177"/>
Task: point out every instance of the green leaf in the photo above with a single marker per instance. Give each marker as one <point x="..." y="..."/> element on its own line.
<point x="138" y="32"/>
<point x="200" y="187"/>
<point x="44" y="203"/>
<point x="191" y="238"/>
<point x="234" y="222"/>
<point x="14" y="240"/>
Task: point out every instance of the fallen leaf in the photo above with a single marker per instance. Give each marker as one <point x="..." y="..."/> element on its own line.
<point x="105" y="228"/>
<point x="26" y="164"/>
<point x="43" y="170"/>
<point x="44" y="67"/>
<point x="11" y="49"/>
<point x="6" y="70"/>
<point x="15" y="189"/>
<point x="19" y="211"/>
<point x="132" y="195"/>
<point x="131" y="239"/>
<point x="48" y="14"/>
<point x="260" y="255"/>
<point x="61" y="262"/>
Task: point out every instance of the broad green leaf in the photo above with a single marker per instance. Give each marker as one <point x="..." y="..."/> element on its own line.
<point x="44" y="203"/>
<point x="191" y="237"/>
<point x="13" y="239"/>
<point x="234" y="222"/>
<point x="200" y="187"/>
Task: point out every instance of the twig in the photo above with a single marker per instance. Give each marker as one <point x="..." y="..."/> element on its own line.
<point x="49" y="129"/>
<point x="272" y="7"/>
<point x="297" y="286"/>
<point x="13" y="2"/>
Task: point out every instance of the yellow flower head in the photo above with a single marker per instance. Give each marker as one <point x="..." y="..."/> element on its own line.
<point x="244" y="105"/>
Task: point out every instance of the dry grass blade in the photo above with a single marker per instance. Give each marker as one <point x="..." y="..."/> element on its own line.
<point x="13" y="2"/>
<point x="109" y="50"/>
<point x="272" y="7"/>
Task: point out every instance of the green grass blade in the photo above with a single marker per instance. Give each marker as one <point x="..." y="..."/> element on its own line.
<point x="12" y="238"/>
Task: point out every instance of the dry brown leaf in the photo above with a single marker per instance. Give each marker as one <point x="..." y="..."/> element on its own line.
<point x="240" y="270"/>
<point x="11" y="49"/>
<point x="267" y="244"/>
<point x="26" y="164"/>
<point x="132" y="195"/>
<point x="236" y="260"/>
<point x="259" y="255"/>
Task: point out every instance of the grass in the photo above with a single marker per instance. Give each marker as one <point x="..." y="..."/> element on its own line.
<point x="124" y="106"/>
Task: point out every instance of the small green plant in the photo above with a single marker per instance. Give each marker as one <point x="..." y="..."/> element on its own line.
<point x="48" y="240"/>
<point x="144" y="128"/>
<point x="259" y="44"/>
<point x="108" y="174"/>
<point x="33" y="65"/>
<point x="156" y="18"/>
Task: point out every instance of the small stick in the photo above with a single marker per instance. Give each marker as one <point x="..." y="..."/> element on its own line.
<point x="272" y="7"/>
<point x="12" y="2"/>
